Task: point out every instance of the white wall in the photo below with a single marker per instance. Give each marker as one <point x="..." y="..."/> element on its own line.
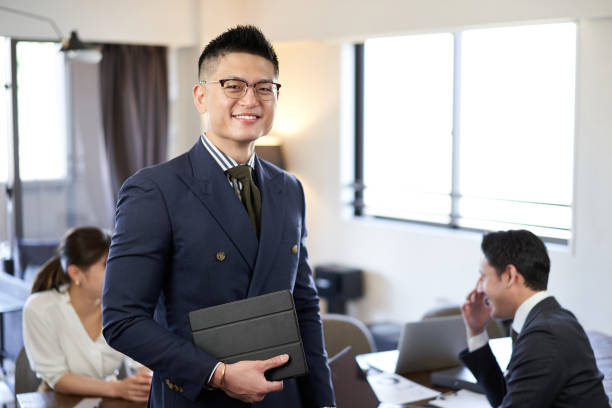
<point x="184" y="119"/>
<point x="157" y="22"/>
<point x="411" y="268"/>
<point x="293" y="20"/>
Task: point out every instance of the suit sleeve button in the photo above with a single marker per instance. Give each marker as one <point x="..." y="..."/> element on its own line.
<point x="294" y="249"/>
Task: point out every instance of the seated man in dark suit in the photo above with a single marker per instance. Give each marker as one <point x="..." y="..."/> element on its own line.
<point x="552" y="363"/>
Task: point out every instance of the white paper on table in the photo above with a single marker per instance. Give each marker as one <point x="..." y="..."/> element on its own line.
<point x="6" y="395"/>
<point x="395" y="389"/>
<point x="461" y="399"/>
<point x="89" y="403"/>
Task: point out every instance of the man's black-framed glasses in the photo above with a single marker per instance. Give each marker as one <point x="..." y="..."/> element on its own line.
<point x="237" y="88"/>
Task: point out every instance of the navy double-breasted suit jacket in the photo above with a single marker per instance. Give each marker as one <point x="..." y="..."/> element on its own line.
<point x="183" y="241"/>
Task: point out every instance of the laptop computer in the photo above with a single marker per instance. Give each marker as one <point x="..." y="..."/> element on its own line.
<point x="461" y="377"/>
<point x="424" y="345"/>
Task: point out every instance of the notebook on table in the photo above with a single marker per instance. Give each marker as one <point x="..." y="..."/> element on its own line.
<point x="255" y="328"/>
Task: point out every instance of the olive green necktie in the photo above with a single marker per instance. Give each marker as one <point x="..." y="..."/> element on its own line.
<point x="249" y="195"/>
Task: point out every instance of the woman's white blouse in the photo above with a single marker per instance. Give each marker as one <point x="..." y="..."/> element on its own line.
<point x="57" y="343"/>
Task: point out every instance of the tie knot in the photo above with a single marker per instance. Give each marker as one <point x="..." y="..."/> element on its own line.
<point x="241" y="172"/>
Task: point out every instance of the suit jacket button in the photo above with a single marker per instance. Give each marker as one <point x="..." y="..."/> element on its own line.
<point x="294" y="249"/>
<point x="220" y="256"/>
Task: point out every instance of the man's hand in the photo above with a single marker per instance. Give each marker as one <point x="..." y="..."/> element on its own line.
<point x="245" y="380"/>
<point x="476" y="314"/>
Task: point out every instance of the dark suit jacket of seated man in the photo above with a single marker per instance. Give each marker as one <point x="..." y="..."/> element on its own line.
<point x="552" y="362"/>
<point x="184" y="241"/>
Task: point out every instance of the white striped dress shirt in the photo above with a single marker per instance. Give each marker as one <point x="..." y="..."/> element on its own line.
<point x="226" y="162"/>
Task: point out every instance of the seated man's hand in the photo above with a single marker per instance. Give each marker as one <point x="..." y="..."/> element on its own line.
<point x="476" y="313"/>
<point x="246" y="381"/>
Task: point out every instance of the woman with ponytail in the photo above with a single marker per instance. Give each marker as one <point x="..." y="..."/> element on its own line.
<point x="62" y="323"/>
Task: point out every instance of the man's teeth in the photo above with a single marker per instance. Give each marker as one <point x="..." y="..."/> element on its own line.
<point x="246" y="116"/>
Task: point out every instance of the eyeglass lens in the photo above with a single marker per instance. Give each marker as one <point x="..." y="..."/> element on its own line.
<point x="235" y="88"/>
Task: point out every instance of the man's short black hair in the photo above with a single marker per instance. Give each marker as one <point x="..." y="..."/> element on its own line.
<point x="522" y="249"/>
<point x="242" y="38"/>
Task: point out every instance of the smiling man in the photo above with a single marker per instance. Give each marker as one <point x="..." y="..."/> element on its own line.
<point x="215" y="225"/>
<point x="552" y="363"/>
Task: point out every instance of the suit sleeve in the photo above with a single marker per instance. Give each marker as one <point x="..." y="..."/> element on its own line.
<point x="483" y="365"/>
<point x="535" y="373"/>
<point x="315" y="388"/>
<point x="140" y="257"/>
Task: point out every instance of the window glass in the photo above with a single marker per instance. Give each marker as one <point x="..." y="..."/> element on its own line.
<point x="408" y="92"/>
<point x="41" y="108"/>
<point x="517" y="126"/>
<point x="514" y="141"/>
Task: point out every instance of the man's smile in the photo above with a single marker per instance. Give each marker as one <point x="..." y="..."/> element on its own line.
<point x="246" y="116"/>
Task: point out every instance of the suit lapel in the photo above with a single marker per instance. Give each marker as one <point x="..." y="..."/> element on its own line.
<point x="209" y="184"/>
<point x="272" y="217"/>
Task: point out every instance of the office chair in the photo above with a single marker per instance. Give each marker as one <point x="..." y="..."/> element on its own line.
<point x="495" y="328"/>
<point x="25" y="378"/>
<point x="340" y="331"/>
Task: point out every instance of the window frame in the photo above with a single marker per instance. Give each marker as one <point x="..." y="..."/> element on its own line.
<point x="14" y="184"/>
<point x="358" y="185"/>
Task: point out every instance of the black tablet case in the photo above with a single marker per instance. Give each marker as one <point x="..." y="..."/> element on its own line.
<point x="255" y="328"/>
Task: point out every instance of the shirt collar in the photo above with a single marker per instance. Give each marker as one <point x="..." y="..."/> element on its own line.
<point x="523" y="311"/>
<point x="222" y="159"/>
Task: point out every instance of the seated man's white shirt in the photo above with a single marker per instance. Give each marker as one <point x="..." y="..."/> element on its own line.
<point x="57" y="343"/>
<point x="480" y="340"/>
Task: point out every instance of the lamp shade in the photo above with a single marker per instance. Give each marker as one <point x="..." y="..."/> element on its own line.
<point x="73" y="43"/>
<point x="77" y="50"/>
<point x="272" y="154"/>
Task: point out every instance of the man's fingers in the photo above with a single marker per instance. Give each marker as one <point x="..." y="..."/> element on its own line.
<point x="259" y="397"/>
<point x="274" y="386"/>
<point x="472" y="295"/>
<point x="275" y="362"/>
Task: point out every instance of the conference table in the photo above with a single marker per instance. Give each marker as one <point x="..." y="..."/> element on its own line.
<point x="58" y="400"/>
<point x="601" y="343"/>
